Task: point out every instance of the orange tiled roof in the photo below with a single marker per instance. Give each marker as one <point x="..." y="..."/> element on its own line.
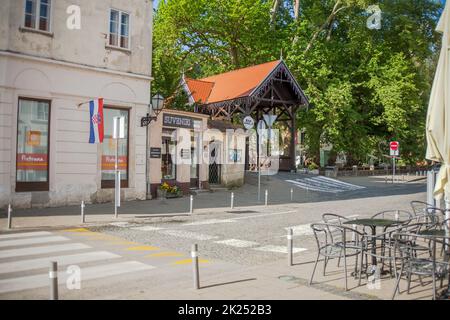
<point x="199" y="89"/>
<point x="229" y="85"/>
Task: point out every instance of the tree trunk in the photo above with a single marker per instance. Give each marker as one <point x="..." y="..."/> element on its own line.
<point x="296" y="9"/>
<point x="234" y="53"/>
<point x="273" y="12"/>
<point x="329" y="20"/>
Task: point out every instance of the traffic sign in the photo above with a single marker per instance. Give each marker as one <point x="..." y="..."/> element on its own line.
<point x="270" y="119"/>
<point x="394" y="148"/>
<point x="394" y="145"/>
<point x="261" y="126"/>
<point x="248" y="122"/>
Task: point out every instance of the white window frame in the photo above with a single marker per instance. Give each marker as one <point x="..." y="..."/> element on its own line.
<point x="117" y="45"/>
<point x="37" y="16"/>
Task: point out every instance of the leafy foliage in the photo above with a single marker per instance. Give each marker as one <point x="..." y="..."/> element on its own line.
<point x="366" y="87"/>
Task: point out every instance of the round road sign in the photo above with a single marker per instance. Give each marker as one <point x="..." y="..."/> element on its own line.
<point x="394" y="145"/>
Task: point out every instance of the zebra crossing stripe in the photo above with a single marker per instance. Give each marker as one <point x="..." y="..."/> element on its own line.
<point x="88" y="273"/>
<point x="24" y="235"/>
<point x="279" y="249"/>
<point x="237" y="243"/>
<point x="188" y="235"/>
<point x="324" y="184"/>
<point x="31" y="241"/>
<point x="41" y="263"/>
<point x="340" y="182"/>
<point x="41" y="250"/>
<point x="310" y="187"/>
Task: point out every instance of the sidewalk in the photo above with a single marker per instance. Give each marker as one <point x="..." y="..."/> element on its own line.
<point x="245" y="198"/>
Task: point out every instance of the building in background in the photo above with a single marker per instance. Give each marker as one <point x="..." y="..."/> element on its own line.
<point x="47" y="68"/>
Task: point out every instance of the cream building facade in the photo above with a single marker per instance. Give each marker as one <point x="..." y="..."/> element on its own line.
<point x="47" y="68"/>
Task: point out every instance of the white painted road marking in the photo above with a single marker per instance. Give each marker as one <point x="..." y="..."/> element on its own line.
<point x="237" y="243"/>
<point x="305" y="229"/>
<point x="146" y="228"/>
<point x="23" y="265"/>
<point x="28" y="241"/>
<point x="206" y="222"/>
<point x="188" y="235"/>
<point x="41" y="250"/>
<point x="263" y="215"/>
<point x="324" y="184"/>
<point x="88" y="273"/>
<point x="24" y="235"/>
<point x="279" y="249"/>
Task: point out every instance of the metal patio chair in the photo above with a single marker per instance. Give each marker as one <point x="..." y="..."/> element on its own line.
<point x="419" y="207"/>
<point x="397" y="215"/>
<point x="423" y="265"/>
<point x="333" y="241"/>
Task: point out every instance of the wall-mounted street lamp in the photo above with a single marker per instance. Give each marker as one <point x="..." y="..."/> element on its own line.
<point x="156" y="106"/>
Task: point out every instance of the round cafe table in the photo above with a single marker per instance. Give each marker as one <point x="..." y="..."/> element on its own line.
<point x="373" y="224"/>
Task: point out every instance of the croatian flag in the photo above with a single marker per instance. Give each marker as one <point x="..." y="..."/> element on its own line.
<point x="96" y="111"/>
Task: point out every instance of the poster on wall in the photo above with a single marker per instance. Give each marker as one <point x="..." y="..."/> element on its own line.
<point x="33" y="138"/>
<point x="32" y="161"/>
<point x="108" y="163"/>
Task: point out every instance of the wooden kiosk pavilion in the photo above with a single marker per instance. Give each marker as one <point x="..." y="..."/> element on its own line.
<point x="268" y="88"/>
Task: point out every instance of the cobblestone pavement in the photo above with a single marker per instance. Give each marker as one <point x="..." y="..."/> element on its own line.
<point x="242" y="250"/>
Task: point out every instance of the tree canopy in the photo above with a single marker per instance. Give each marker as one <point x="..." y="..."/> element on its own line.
<point x="366" y="87"/>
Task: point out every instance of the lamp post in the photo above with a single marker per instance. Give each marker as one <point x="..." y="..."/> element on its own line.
<point x="156" y="106"/>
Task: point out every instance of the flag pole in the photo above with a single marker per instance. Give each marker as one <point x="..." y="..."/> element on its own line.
<point x="80" y="104"/>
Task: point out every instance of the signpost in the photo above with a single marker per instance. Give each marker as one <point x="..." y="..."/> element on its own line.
<point x="118" y="133"/>
<point x="260" y="128"/>
<point x="394" y="152"/>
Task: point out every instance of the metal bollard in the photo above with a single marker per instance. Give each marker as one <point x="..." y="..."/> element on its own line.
<point x="194" y="255"/>
<point x="232" y="200"/>
<point x="290" y="240"/>
<point x="191" y="207"/>
<point x="266" y="196"/>
<point x="385" y="179"/>
<point x="53" y="276"/>
<point x="82" y="212"/>
<point x="9" y="216"/>
<point x="292" y="194"/>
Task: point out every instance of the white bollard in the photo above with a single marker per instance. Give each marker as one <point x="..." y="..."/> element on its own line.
<point x="266" y="195"/>
<point x="290" y="245"/>
<point x="191" y="208"/>
<point x="232" y="200"/>
<point x="196" y="273"/>
<point x="292" y="194"/>
<point x="82" y="212"/>
<point x="9" y="216"/>
<point x="53" y="277"/>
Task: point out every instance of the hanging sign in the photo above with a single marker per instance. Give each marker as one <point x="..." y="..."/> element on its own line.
<point x="248" y="122"/>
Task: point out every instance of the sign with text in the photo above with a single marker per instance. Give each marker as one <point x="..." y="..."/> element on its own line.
<point x="155" y="153"/>
<point x="172" y="120"/>
<point x="108" y="162"/>
<point x="394" y="148"/>
<point x="32" y="161"/>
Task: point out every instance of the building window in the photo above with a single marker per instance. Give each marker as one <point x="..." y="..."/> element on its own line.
<point x="168" y="151"/>
<point x="32" y="145"/>
<point x="37" y="14"/>
<point x="119" y="27"/>
<point x="109" y="149"/>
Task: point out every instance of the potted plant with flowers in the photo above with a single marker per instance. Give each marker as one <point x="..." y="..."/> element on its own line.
<point x="167" y="191"/>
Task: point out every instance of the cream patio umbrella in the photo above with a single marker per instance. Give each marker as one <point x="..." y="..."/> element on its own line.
<point x="438" y="117"/>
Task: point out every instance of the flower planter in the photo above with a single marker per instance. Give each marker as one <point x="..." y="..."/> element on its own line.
<point x="163" y="194"/>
